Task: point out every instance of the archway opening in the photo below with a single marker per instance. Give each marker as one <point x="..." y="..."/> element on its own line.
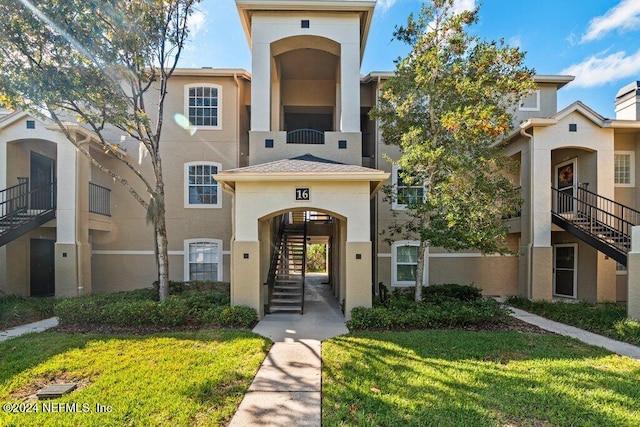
<point x="303" y="259"/>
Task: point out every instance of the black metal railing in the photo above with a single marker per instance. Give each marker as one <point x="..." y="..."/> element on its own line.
<point x="277" y="252"/>
<point x="99" y="199"/>
<point x="305" y="136"/>
<point x="304" y="265"/>
<point x="15" y="198"/>
<point x="599" y="221"/>
<point x="617" y="210"/>
<point x="317" y="218"/>
<point x="23" y="209"/>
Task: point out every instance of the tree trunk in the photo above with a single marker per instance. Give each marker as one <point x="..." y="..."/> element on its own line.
<point x="163" y="257"/>
<point x="422" y="248"/>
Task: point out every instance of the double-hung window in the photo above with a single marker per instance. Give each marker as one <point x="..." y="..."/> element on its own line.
<point x="404" y="260"/>
<point x="405" y="191"/>
<point x="201" y="188"/>
<point x="202" y="259"/>
<point x="202" y="105"/>
<point x="624" y="169"/>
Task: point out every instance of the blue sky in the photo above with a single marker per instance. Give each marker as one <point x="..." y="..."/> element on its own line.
<point x="598" y="41"/>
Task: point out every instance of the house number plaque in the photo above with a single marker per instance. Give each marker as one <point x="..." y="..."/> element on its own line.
<point x="302" y="193"/>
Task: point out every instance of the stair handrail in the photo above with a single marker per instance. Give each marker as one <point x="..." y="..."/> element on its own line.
<point x="14" y="198"/>
<point x="273" y="267"/>
<point x="26" y="209"/>
<point x="304" y="262"/>
<point x="632" y="215"/>
<point x="595" y="215"/>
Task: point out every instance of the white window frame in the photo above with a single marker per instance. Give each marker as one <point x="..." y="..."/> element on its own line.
<point x="394" y="263"/>
<point x="219" y="106"/>
<point x="537" y="107"/>
<point x="394" y="182"/>
<point x="187" y="244"/>
<point x="632" y="168"/>
<point x="217" y="205"/>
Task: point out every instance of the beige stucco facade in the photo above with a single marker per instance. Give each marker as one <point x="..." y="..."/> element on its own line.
<point x="306" y="76"/>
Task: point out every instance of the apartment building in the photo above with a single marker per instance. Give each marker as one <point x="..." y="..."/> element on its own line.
<point x="268" y="161"/>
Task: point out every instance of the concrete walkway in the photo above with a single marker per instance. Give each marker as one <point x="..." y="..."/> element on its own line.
<point x="29" y="328"/>
<point x="286" y="389"/>
<point x="612" y="345"/>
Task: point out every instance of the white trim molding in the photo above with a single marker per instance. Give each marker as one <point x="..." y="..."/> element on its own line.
<point x="215" y="184"/>
<point x="218" y="106"/>
<point x="394" y="263"/>
<point x="216" y="260"/>
<point x="394" y="183"/>
<point x="632" y="168"/>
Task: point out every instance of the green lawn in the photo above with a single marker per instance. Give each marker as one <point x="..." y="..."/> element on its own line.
<point x="189" y="378"/>
<point x="459" y="378"/>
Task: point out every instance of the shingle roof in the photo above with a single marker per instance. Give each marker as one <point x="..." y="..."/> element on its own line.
<point x="305" y="163"/>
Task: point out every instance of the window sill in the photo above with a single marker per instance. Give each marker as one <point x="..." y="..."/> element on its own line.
<point x="202" y="206"/>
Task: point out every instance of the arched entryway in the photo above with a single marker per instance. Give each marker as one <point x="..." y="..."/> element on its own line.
<point x="263" y="193"/>
<point x="287" y="240"/>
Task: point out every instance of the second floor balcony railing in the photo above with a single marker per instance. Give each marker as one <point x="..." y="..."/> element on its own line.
<point x="99" y="200"/>
<point x="305" y="136"/>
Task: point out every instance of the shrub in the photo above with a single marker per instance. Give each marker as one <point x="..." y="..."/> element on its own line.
<point x="438" y="293"/>
<point x="15" y="310"/>
<point x="403" y="314"/>
<point x="177" y="288"/>
<point x="608" y="319"/>
<point x="628" y="330"/>
<point x="139" y="308"/>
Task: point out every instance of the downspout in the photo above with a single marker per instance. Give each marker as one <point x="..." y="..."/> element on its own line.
<point x="239" y="153"/>
<point x="79" y="285"/>
<point x="377" y="216"/>
<point x="524" y="133"/>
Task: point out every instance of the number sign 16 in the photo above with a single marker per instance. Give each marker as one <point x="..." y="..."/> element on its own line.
<point x="302" y="193"/>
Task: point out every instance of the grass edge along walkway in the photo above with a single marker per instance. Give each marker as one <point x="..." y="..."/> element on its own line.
<point x="181" y="378"/>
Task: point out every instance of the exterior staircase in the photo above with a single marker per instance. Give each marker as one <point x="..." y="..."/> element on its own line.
<point x="23" y="210"/>
<point x="601" y="222"/>
<point x="288" y="264"/>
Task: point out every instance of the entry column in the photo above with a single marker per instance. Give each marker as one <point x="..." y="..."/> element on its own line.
<point x="72" y="252"/>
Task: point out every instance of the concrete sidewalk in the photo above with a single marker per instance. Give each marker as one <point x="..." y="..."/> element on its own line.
<point x="612" y="345"/>
<point x="29" y="328"/>
<point x="287" y="388"/>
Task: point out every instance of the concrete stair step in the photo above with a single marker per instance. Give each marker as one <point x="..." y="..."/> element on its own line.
<point x="276" y="308"/>
<point x="286" y="301"/>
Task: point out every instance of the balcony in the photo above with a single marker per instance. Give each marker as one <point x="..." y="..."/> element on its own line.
<point x="343" y="147"/>
<point x="99" y="207"/>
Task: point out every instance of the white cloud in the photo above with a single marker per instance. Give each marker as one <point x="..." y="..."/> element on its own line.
<point x="196" y="22"/>
<point x="462" y="5"/>
<point x="596" y="71"/>
<point x="623" y="17"/>
<point x="384" y="5"/>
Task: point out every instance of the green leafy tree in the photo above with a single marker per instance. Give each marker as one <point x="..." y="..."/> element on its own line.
<point x="105" y="65"/>
<point x="446" y="107"/>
